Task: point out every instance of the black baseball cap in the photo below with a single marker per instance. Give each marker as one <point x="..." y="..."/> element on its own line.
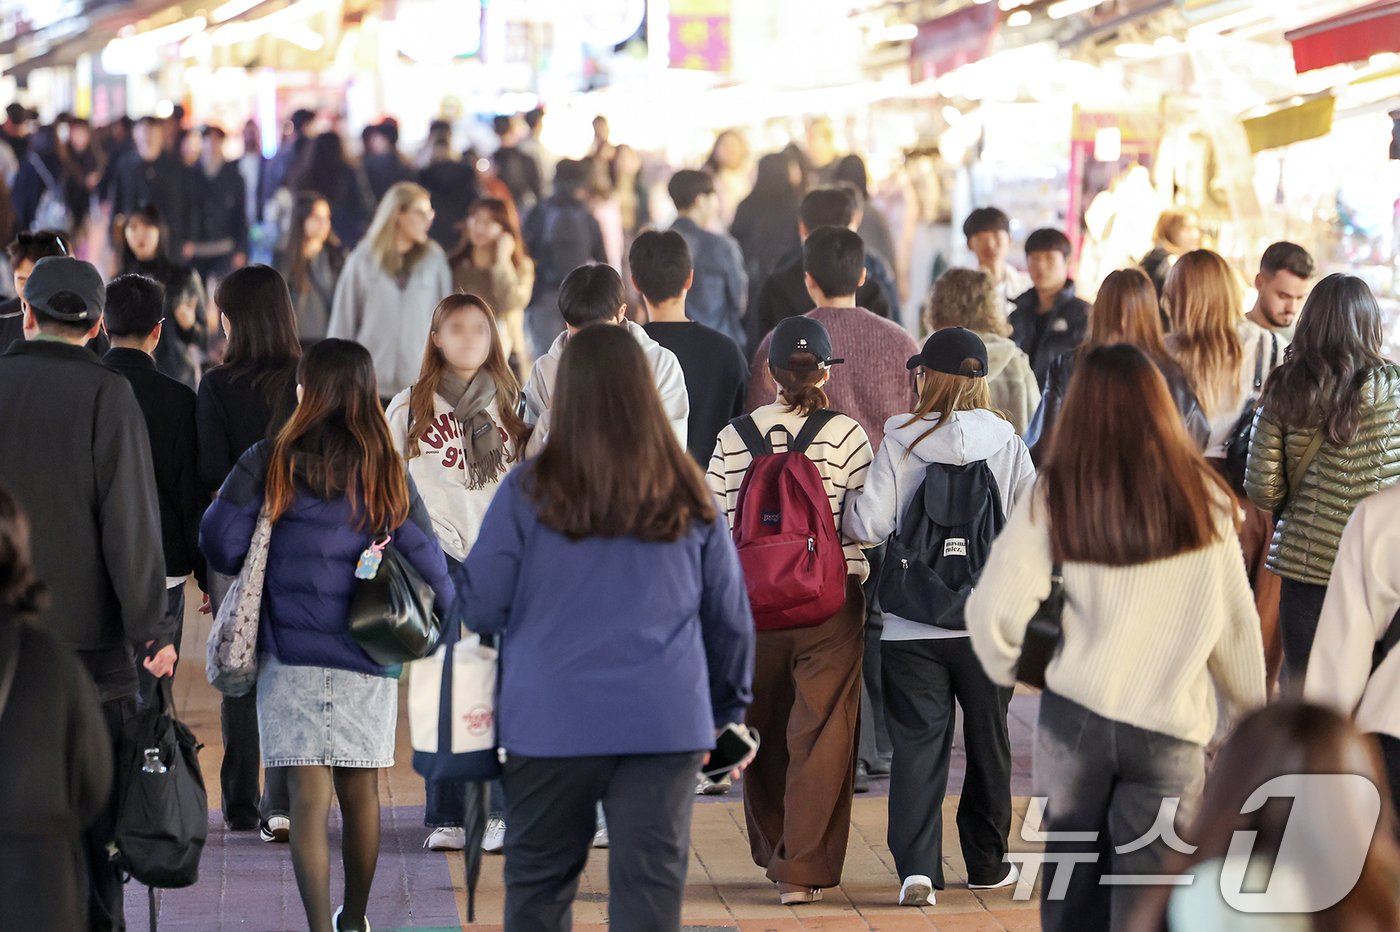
<point x="800" y="335"/>
<point x="55" y="275"/>
<point x="954" y="351"/>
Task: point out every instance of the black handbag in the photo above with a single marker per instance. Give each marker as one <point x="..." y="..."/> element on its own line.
<point x="1237" y="445"/>
<point x="1043" y="634"/>
<point x="162" y="808"/>
<point x="391" y="614"/>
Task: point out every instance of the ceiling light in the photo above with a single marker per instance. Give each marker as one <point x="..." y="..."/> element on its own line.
<point x="1070" y="7"/>
<point x="1019" y="18"/>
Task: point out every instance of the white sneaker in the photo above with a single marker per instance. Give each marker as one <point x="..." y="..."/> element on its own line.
<point x="277" y="829"/>
<point x="704" y="787"/>
<point x="451" y="838"/>
<point x="917" y="891"/>
<point x="1012" y="876"/>
<point x="600" y="837"/>
<point x="494" y="841"/>
<point x="335" y="921"/>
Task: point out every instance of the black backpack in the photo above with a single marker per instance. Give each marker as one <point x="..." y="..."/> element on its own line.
<point x="162" y="809"/>
<point x="933" y="560"/>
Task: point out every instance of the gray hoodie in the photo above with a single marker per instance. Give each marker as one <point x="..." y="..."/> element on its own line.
<point x="1014" y="389"/>
<point x="968" y="437"/>
<point x="665" y="370"/>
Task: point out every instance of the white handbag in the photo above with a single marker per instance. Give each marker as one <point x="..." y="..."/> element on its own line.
<point x="231" y="657"/>
<point x="452" y="710"/>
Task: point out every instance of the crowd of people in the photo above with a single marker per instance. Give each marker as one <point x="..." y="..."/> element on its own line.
<point x="509" y="370"/>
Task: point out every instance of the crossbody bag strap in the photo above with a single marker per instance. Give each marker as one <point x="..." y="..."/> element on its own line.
<point x="1295" y="478"/>
<point x="50" y="182"/>
<point x="1259" y="365"/>
<point x="9" y="661"/>
<point x="1387" y="643"/>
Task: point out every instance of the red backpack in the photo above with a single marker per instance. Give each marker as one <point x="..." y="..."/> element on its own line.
<point x="785" y="532"/>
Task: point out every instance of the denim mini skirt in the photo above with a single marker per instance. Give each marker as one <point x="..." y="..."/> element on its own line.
<point x="320" y="716"/>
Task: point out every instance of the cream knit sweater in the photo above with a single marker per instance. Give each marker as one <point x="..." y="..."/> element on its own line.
<point x="1142" y="644"/>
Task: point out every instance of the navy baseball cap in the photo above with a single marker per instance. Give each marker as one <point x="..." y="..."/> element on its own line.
<point x="800" y="335"/>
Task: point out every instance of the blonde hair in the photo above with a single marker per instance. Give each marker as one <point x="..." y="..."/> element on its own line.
<point x="944" y="394"/>
<point x="1169" y="224"/>
<point x="1204" y="301"/>
<point x="384" y="229"/>
<point x="966" y="298"/>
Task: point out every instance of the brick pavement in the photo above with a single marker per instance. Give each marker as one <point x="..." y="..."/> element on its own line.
<point x="248" y="885"/>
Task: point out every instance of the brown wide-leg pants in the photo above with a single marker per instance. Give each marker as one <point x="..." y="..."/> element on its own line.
<point x="806" y="706"/>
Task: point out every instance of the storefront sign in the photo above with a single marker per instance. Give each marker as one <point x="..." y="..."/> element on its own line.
<point x="1293" y="124"/>
<point x="700" y="35"/>
<point x="952" y="41"/>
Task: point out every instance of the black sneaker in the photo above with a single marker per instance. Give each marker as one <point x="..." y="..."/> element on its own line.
<point x="862" y="778"/>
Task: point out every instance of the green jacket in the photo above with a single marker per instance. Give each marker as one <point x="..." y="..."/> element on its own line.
<point x="1311" y="517"/>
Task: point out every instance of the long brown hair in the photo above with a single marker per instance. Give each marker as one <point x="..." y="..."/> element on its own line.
<point x="504" y="214"/>
<point x="21" y="592"/>
<point x="966" y="298"/>
<point x="1202" y="297"/>
<point x="1284" y="738"/>
<point x="612" y="466"/>
<point x="1126" y="311"/>
<point x="944" y="394"/>
<point x="262" y="341"/>
<point x="1123" y="481"/>
<point x="800" y="384"/>
<point x="1337" y="344"/>
<point x="420" y="397"/>
<point x="294" y="255"/>
<point x="337" y="441"/>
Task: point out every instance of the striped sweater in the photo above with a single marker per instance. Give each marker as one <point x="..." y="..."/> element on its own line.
<point x="1142" y="644"/>
<point x="872" y="386"/>
<point x="841" y="453"/>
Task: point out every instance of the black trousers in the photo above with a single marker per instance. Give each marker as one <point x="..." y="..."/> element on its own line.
<point x="105" y="911"/>
<point x="923" y="679"/>
<point x="873" y="742"/>
<point x="1300" y="606"/>
<point x="238" y="774"/>
<point x="550" y="821"/>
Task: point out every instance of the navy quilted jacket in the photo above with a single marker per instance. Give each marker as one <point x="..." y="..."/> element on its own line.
<point x="311" y="565"/>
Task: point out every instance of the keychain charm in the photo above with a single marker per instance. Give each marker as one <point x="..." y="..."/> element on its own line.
<point x="368" y="566"/>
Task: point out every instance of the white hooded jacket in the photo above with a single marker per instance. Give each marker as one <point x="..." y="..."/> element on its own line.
<point x="968" y="437"/>
<point x="665" y="370"/>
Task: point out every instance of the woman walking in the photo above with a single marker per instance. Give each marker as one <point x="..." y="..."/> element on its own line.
<point x="458" y="429"/>
<point x="1227" y="359"/>
<point x="927" y="668"/>
<point x="615" y="585"/>
<point x="1157" y="621"/>
<point x="330" y="483"/>
<point x="491" y="263"/>
<point x="311" y="262"/>
<point x="797" y="797"/>
<point x="242" y="402"/>
<point x="1125" y="311"/>
<point x="969" y="298"/>
<point x="186" y="338"/>
<point x="388" y="285"/>
<point x="1326" y="437"/>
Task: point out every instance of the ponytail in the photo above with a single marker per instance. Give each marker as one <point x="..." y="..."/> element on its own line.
<point x="800" y="385"/>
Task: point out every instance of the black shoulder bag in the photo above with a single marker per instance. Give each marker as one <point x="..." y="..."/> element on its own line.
<point x="1043" y="633"/>
<point x="1237" y="446"/>
<point x="391" y="614"/>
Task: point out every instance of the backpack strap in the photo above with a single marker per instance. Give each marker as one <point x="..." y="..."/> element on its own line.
<point x="815" y="422"/>
<point x="753" y="438"/>
<point x="1259" y="363"/>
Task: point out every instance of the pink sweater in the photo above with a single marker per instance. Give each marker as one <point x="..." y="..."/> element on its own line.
<point x="872" y="385"/>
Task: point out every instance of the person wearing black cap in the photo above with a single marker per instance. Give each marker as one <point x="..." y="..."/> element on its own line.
<point x="797" y="793"/>
<point x="925" y="668"/>
<point x="74" y="451"/>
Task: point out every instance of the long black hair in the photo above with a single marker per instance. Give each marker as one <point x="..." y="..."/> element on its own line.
<point x="262" y="340"/>
<point x="1337" y="343"/>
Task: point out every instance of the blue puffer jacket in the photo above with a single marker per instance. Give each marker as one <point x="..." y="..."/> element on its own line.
<point x="311" y="565"/>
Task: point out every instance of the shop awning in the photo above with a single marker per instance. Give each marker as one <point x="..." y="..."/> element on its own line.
<point x="1307" y="120"/>
<point x="952" y="41"/>
<point x="1350" y="37"/>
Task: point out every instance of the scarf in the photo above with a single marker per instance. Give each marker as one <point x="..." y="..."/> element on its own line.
<point x="481" y="438"/>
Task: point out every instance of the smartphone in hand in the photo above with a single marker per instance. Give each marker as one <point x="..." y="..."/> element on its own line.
<point x="734" y="746"/>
